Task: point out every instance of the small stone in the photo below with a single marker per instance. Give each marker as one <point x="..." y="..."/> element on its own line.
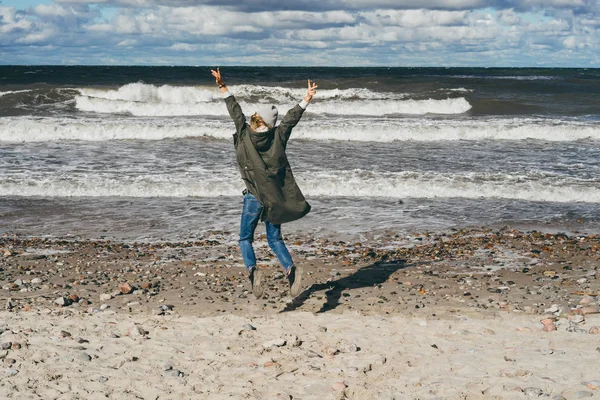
<point x="9" y="305"/>
<point x="104" y="307"/>
<point x="322" y="329"/>
<point x="11" y="372"/>
<point x="6" y="346"/>
<point x="74" y="297"/>
<point x="274" y="343"/>
<point x="349" y="348"/>
<point x="7" y="253"/>
<point x="103" y="379"/>
<point x="64" y="334"/>
<point x="15" y="346"/>
<point x="167" y="367"/>
<point x="248" y="327"/>
<point x="269" y="364"/>
<point x="105" y="297"/>
<point x="125" y="288"/>
<point x="594" y="385"/>
<point x="582" y="394"/>
<point x="532" y="392"/>
<point x="549" y="325"/>
<point x="313" y="354"/>
<point x="84" y="357"/>
<point x="553" y="309"/>
<point x="334" y="273"/>
<point x="63" y="301"/>
<point x="339" y="386"/>
<point x="136" y="331"/>
<point x="174" y="373"/>
<point x="594" y="330"/>
<point x="10" y="361"/>
<point x="330" y="351"/>
<point x="586" y="300"/>
<point x="582" y="281"/>
<point x="36" y="281"/>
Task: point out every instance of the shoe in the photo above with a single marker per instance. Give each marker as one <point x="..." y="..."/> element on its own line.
<point x="256" y="279"/>
<point x="295" y="278"/>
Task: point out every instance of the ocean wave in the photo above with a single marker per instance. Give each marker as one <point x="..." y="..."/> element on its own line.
<point x="25" y="129"/>
<point x="14" y="92"/>
<point x="356" y="183"/>
<point x="139" y="99"/>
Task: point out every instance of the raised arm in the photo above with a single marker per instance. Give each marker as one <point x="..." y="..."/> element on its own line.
<point x="292" y="117"/>
<point x="233" y="107"/>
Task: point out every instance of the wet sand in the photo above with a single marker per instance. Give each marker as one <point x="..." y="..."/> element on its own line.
<point x="447" y="315"/>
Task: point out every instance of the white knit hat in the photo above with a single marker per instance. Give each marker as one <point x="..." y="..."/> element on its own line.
<point x="268" y="113"/>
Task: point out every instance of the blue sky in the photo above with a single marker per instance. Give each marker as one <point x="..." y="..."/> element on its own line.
<point x="552" y="33"/>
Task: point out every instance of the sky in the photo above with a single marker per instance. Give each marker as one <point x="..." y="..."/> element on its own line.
<point x="441" y="33"/>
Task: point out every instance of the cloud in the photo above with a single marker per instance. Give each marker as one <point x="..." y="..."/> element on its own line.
<point x="306" y="32"/>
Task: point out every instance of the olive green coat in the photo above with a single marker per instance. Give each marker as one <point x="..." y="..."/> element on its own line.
<point x="264" y="165"/>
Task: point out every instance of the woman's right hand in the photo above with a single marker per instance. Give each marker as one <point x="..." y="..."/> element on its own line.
<point x="312" y="90"/>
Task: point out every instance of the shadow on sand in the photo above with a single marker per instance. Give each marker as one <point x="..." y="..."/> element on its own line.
<point x="369" y="276"/>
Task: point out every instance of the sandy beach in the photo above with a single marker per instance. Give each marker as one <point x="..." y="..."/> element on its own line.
<point x="464" y="314"/>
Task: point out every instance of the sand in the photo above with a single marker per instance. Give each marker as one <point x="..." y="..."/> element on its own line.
<point x="447" y="315"/>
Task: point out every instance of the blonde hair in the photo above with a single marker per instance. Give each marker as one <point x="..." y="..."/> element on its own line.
<point x="256" y="122"/>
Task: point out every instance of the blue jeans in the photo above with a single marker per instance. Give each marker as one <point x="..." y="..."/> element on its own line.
<point x="250" y="217"/>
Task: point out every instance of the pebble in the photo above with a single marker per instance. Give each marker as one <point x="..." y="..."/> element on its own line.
<point x="532" y="392"/>
<point x="274" y="343"/>
<point x="11" y="372"/>
<point x="103" y="379"/>
<point x="582" y="394"/>
<point x="6" y="346"/>
<point x="549" y="325"/>
<point x="582" y="280"/>
<point x="105" y="296"/>
<point x="84" y="357"/>
<point x="62" y="301"/>
<point x="36" y="281"/>
<point x="174" y="373"/>
<point x="167" y="367"/>
<point x="125" y="288"/>
<point x="248" y="327"/>
<point x="10" y="361"/>
<point x="594" y="385"/>
<point x="136" y="331"/>
<point x="594" y="330"/>
<point x="554" y="308"/>
<point x="339" y="386"/>
<point x="330" y="351"/>
<point x="349" y="348"/>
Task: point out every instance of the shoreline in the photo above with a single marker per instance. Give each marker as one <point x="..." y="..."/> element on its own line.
<point x="447" y="315"/>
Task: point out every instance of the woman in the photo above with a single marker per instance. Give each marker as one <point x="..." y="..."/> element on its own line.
<point x="271" y="193"/>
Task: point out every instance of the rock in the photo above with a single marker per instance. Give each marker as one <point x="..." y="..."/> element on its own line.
<point x="339" y="386"/>
<point x="549" y="325"/>
<point x="84" y="357"/>
<point x="532" y="392"/>
<point x="167" y="367"/>
<point x="586" y="300"/>
<point x="63" y="301"/>
<point x="7" y="253"/>
<point x="594" y="330"/>
<point x="15" y="346"/>
<point x="330" y="351"/>
<point x="36" y="281"/>
<point x="10" y="361"/>
<point x="174" y="373"/>
<point x="125" y="288"/>
<point x="102" y="379"/>
<point x="274" y="343"/>
<point x="348" y="348"/>
<point x="64" y="334"/>
<point x="313" y="354"/>
<point x="582" y="394"/>
<point x="74" y="298"/>
<point x="6" y="346"/>
<point x="9" y="305"/>
<point x="105" y="297"/>
<point x="136" y="331"/>
<point x="322" y="329"/>
<point x="11" y="372"/>
<point x="554" y="309"/>
<point x="594" y="385"/>
<point x="248" y="327"/>
<point x="582" y="281"/>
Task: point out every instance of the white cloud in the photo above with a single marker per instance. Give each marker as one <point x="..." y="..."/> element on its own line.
<point x="347" y="31"/>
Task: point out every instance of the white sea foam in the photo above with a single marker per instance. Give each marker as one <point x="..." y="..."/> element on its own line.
<point x="13" y="92"/>
<point x="140" y="99"/>
<point x="356" y="183"/>
<point x="25" y="129"/>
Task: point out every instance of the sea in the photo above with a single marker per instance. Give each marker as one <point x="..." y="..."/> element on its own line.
<point x="146" y="154"/>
